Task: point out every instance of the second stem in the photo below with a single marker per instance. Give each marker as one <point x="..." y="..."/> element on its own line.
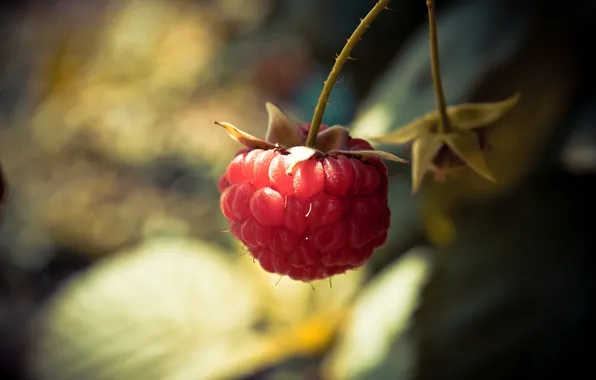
<point x="444" y="126"/>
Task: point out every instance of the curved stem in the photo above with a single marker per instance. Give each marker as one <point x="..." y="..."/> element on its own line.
<point x="444" y="126"/>
<point x="335" y="71"/>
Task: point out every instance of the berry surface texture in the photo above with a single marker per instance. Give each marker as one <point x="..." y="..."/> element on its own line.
<point x="308" y="218"/>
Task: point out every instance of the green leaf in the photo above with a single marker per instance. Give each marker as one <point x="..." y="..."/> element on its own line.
<point x="474" y="115"/>
<point x="466" y="146"/>
<point x="424" y="151"/>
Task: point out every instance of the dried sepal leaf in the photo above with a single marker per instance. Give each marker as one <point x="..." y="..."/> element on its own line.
<point x="334" y="138"/>
<point x="284" y="135"/>
<point x="365" y="154"/>
<point x="426" y="140"/>
<point x="475" y="115"/>
<point x="424" y="151"/>
<point x="299" y="154"/>
<point x="281" y="130"/>
<point x="466" y="147"/>
<point x="417" y="128"/>
<point x="462" y="117"/>
<point x="244" y="138"/>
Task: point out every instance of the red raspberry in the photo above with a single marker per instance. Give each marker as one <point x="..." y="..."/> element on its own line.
<point x="322" y="217"/>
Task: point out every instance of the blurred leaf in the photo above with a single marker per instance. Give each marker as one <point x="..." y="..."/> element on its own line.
<point x="313" y="336"/>
<point x="160" y="306"/>
<point x="290" y="303"/>
<point x="380" y="317"/>
<point x="149" y="313"/>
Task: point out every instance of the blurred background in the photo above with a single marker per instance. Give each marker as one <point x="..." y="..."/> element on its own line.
<point x="114" y="258"/>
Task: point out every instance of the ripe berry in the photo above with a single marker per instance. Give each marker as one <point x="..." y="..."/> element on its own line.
<point x="306" y="213"/>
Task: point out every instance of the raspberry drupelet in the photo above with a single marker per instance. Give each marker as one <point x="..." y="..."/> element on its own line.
<point x="301" y="212"/>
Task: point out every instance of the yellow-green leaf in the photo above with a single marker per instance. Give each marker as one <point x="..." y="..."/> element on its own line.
<point x="474" y="115"/>
<point x="424" y="151"/>
<point x="244" y="138"/>
<point x="465" y="145"/>
<point x="417" y="128"/>
<point x="281" y="130"/>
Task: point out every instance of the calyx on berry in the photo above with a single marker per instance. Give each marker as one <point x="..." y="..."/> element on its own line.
<point x="289" y="137"/>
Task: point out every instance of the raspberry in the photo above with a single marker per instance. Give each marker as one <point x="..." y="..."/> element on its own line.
<point x="323" y="219"/>
<point x="307" y="217"/>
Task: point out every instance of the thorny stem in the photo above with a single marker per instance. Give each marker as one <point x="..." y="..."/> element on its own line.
<point x="335" y="71"/>
<point x="444" y="126"/>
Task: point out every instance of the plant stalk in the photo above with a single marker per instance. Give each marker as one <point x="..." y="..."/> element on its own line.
<point x="444" y="126"/>
<point x="336" y="70"/>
